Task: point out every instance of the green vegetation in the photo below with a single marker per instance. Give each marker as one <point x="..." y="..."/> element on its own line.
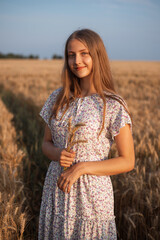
<point x="17" y="56"/>
<point x="55" y="56"/>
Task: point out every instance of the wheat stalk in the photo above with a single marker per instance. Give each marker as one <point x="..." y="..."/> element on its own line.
<point x="71" y="135"/>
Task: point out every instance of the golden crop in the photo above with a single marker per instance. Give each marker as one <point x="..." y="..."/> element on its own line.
<point x="24" y="87"/>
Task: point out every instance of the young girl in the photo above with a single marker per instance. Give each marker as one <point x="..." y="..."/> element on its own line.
<point x="77" y="201"/>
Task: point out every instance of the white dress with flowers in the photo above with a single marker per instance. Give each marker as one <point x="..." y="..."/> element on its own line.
<point x="87" y="212"/>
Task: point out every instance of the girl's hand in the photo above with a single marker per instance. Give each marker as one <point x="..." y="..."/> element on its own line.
<point x="68" y="177"/>
<point x="66" y="158"/>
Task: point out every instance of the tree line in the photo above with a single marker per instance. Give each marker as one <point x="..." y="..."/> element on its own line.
<point x="21" y="56"/>
<point x="18" y="56"/>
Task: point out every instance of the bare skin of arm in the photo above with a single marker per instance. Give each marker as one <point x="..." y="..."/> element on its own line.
<point x="123" y="163"/>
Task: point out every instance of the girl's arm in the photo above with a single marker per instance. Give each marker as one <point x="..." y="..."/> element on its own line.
<point x="123" y="163"/>
<point x="54" y="153"/>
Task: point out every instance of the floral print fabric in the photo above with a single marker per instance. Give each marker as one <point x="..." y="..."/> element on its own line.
<point x="87" y="212"/>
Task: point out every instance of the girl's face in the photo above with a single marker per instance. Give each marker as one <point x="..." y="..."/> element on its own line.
<point x="79" y="59"/>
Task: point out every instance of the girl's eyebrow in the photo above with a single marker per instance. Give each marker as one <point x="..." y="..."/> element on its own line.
<point x="79" y="51"/>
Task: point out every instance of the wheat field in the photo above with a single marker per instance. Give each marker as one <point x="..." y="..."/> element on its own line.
<point x="24" y="87"/>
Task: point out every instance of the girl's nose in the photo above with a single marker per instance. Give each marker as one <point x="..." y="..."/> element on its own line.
<point x="77" y="59"/>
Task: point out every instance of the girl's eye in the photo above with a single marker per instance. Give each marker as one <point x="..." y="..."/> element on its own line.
<point x="84" y="53"/>
<point x="70" y="55"/>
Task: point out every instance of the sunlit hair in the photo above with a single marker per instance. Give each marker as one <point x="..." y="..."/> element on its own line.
<point x="101" y="73"/>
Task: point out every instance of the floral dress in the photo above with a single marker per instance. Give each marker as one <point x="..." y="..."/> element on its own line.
<point x="87" y="212"/>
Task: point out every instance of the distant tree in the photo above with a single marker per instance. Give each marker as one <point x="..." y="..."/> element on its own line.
<point x="33" y="57"/>
<point x="17" y="56"/>
<point x="2" y="55"/>
<point x="56" y="56"/>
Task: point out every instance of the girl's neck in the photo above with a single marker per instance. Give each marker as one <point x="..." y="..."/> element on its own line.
<point x="87" y="87"/>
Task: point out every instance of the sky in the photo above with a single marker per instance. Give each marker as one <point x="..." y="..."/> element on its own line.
<point x="130" y="29"/>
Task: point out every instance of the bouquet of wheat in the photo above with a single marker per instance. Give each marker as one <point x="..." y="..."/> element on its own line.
<point x="71" y="135"/>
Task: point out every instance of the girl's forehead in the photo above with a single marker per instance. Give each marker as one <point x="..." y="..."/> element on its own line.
<point x="76" y="45"/>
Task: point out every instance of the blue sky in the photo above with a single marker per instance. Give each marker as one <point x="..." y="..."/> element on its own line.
<point x="130" y="29"/>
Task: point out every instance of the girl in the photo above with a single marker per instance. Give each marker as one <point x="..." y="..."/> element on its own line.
<point x="77" y="201"/>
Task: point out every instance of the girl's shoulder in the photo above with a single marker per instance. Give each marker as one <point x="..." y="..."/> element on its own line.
<point x="114" y="100"/>
<point x="46" y="110"/>
<point x="56" y="92"/>
<point x="52" y="97"/>
<point x="117" y="114"/>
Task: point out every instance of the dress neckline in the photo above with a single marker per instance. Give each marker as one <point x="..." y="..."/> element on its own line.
<point x="93" y="94"/>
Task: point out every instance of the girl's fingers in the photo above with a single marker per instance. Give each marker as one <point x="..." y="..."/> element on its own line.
<point x="65" y="163"/>
<point x="60" y="182"/>
<point x="67" y="159"/>
<point x="68" y="154"/>
<point x="69" y="187"/>
<point x="64" y="185"/>
<point x="72" y="152"/>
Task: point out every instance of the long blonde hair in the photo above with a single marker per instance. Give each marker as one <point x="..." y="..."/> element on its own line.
<point x="101" y="72"/>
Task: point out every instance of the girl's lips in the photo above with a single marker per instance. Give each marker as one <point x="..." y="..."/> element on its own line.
<point x="79" y="68"/>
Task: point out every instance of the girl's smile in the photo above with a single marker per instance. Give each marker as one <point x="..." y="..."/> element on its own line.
<point x="79" y="68"/>
<point x="79" y="59"/>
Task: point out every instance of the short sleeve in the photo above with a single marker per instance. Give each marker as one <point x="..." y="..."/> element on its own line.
<point x="46" y="110"/>
<point x="119" y="117"/>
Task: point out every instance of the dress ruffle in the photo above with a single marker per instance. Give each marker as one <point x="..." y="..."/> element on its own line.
<point x="70" y="228"/>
